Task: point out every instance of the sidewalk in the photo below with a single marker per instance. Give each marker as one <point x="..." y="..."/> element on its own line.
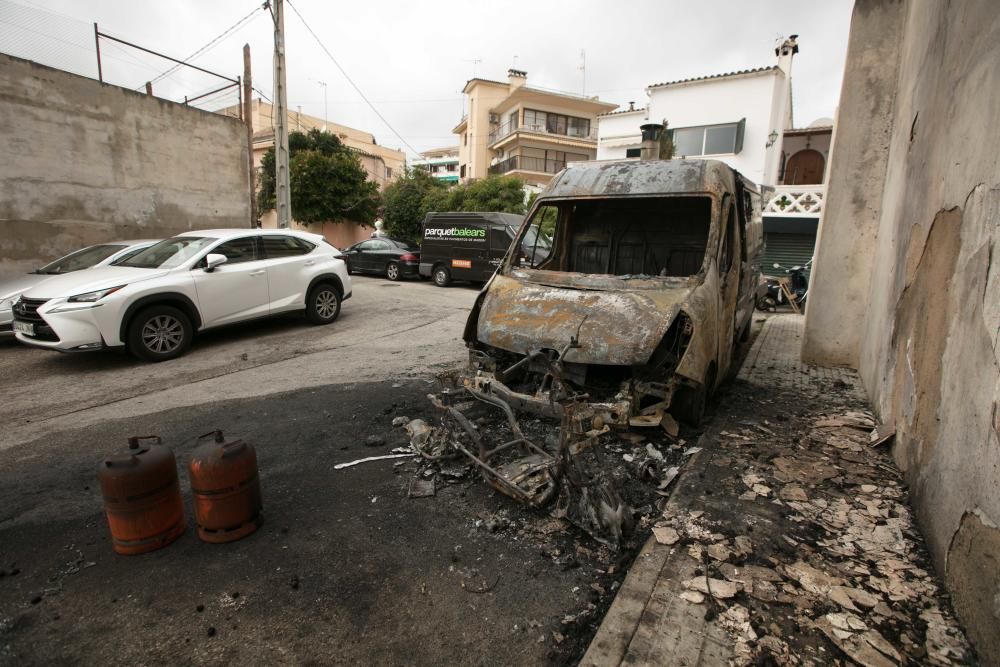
<point x="787" y="540"/>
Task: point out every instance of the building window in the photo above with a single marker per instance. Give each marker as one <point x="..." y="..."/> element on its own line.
<point x="553" y="123"/>
<point x="512" y="121"/>
<point x="632" y="152"/>
<point x="461" y="171"/>
<point x="465" y="138"/>
<point x="723" y="139"/>
<point x="388" y="172"/>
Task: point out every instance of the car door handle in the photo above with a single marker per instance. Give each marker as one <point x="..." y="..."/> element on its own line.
<point x="256" y="273"/>
<point x="310" y="262"/>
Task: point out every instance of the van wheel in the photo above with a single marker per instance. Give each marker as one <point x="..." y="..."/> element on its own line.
<point x="688" y="404"/>
<point x="392" y="271"/>
<point x="159" y="333"/>
<point x="442" y="276"/>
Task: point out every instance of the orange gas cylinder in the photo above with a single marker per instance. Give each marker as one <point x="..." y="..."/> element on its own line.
<point x="226" y="488"/>
<point x="142" y="498"/>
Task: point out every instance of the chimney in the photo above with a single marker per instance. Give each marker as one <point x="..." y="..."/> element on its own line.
<point x="631" y="106"/>
<point x="788" y="48"/>
<point x="650" y="147"/>
<point x="516" y="78"/>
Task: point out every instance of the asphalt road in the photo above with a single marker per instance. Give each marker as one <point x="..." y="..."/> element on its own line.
<point x="346" y="568"/>
<point x="385" y="331"/>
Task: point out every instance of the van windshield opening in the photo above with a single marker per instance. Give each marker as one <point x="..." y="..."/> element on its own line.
<point x="624" y="237"/>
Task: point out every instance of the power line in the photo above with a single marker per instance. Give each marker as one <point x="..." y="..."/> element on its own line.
<point x="225" y="33"/>
<point x="349" y="80"/>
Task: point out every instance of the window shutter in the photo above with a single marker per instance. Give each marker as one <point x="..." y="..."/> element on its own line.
<point x="740" y="129"/>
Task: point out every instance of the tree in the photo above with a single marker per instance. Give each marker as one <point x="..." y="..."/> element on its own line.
<point x="417" y="193"/>
<point x="407" y="200"/>
<point x="498" y="193"/>
<point x="327" y="180"/>
<point x="666" y="143"/>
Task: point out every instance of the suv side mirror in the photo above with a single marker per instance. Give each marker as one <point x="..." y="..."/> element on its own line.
<point x="214" y="260"/>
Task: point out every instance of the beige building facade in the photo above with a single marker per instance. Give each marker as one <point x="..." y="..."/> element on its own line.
<point x="516" y="130"/>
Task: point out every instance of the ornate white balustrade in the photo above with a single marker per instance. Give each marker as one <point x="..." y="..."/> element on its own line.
<point x="796" y="201"/>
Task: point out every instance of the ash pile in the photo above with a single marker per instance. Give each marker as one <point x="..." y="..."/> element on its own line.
<point x="603" y="479"/>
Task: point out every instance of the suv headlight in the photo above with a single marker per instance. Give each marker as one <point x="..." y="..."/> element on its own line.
<point x="96" y="295"/>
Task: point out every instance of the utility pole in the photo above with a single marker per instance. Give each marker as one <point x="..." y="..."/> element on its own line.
<point x="248" y="119"/>
<point x="283" y="188"/>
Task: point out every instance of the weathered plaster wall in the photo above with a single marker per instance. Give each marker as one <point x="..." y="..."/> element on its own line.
<point x="929" y="325"/>
<point x="86" y="162"/>
<point x="841" y="275"/>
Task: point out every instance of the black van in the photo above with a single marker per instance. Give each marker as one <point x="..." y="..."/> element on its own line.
<point x="465" y="246"/>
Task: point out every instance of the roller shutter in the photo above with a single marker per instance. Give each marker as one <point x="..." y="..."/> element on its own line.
<point x="786" y="249"/>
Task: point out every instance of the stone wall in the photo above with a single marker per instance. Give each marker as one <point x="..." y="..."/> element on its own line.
<point x="86" y="162"/>
<point x="908" y="277"/>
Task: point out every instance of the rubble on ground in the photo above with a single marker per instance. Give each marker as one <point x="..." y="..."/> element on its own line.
<point x="851" y="571"/>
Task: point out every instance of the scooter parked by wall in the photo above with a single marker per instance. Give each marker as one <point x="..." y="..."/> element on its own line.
<point x="771" y="293"/>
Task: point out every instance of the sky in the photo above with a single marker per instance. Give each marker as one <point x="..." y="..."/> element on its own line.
<point x="411" y="59"/>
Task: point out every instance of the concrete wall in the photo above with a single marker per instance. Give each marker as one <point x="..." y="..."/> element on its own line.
<point x="86" y="162"/>
<point x="917" y="304"/>
<point x="340" y="234"/>
<point x="841" y="275"/>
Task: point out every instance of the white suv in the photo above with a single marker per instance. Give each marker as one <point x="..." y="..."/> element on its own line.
<point x="152" y="303"/>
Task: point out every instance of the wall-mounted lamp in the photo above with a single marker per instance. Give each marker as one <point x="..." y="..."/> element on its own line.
<point x="771" y="138"/>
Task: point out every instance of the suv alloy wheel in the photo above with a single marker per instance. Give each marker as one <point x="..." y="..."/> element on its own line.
<point x="159" y="333"/>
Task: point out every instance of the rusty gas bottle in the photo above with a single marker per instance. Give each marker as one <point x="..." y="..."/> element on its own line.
<point x="142" y="498"/>
<point x="225" y="487"/>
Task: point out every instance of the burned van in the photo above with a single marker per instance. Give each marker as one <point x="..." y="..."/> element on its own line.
<point x="641" y="288"/>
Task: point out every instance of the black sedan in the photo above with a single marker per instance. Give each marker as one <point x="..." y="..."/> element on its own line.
<point x="391" y="258"/>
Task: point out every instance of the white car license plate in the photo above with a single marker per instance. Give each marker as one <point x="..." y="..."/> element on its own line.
<point x="24" y="327"/>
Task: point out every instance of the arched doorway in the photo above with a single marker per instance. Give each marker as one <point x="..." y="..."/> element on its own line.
<point x="805" y="168"/>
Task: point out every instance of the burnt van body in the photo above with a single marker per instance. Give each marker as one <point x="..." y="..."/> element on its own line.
<point x="644" y="288"/>
<point x="465" y="246"/>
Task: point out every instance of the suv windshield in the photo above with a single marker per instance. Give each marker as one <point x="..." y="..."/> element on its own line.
<point x="81" y="259"/>
<point x="169" y="254"/>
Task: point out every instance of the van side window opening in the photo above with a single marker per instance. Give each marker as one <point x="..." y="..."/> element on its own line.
<point x="726" y="254"/>
<point x="641" y="236"/>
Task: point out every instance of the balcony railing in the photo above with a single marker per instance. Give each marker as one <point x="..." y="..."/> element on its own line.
<point x="520" y="162"/>
<point x="509" y="128"/>
<point x="796" y="201"/>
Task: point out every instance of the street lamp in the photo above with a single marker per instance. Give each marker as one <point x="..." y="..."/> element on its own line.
<point x="771" y="138"/>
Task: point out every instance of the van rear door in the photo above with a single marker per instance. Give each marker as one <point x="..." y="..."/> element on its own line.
<point x="469" y="251"/>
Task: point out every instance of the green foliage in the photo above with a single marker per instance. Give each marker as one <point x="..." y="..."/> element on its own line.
<point x="410" y="198"/>
<point x="666" y="143"/>
<point x="327" y="180"/>
<point x="406" y="203"/>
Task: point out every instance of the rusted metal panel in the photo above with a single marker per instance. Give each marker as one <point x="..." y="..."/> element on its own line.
<point x="613" y="327"/>
<point x="641" y="177"/>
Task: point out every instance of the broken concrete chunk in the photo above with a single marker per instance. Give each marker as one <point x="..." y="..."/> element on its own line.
<point x="400" y="421"/>
<point x="666" y="535"/>
<point x="694" y="597"/>
<point x="748" y="495"/>
<point x="717" y="588"/>
<point x="761" y="490"/>
<point x="811" y="579"/>
<point x="744" y="547"/>
<point x="719" y="552"/>
<point x="668" y="476"/>
<point x="653" y="452"/>
<point x="793" y="492"/>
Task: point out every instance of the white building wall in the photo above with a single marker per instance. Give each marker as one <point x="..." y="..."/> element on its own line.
<point x="760" y="98"/>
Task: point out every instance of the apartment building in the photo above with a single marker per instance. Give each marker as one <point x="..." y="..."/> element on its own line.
<point x="518" y="130"/>
<point x="441" y="163"/>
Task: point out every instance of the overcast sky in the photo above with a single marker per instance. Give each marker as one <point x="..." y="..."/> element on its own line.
<point x="411" y="59"/>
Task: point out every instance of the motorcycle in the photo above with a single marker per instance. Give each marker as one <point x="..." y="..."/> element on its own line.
<point x="771" y="294"/>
